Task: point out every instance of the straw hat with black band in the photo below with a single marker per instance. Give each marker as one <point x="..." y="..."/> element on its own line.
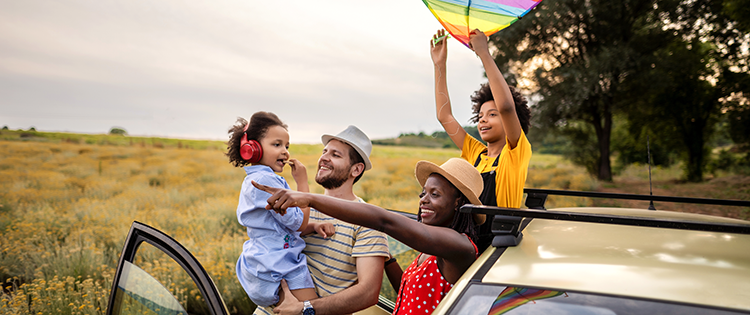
<point x="459" y="173"/>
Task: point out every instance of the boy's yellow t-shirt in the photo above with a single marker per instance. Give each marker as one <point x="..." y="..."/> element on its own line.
<point x="512" y="168"/>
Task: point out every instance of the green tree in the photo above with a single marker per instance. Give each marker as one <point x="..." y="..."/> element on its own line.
<point x="680" y="91"/>
<point x="739" y="11"/>
<point x="577" y="53"/>
<point x="739" y="124"/>
<point x="678" y="103"/>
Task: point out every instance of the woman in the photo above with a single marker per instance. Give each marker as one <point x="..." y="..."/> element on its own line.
<point x="444" y="236"/>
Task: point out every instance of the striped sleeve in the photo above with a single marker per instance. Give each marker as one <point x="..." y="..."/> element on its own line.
<point x="369" y="242"/>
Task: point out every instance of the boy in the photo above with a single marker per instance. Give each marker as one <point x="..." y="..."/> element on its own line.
<point x="502" y="118"/>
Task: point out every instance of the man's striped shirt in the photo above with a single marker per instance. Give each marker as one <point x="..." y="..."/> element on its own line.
<point x="332" y="261"/>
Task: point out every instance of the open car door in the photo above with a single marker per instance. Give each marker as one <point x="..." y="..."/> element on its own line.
<point x="141" y="288"/>
<point x="137" y="291"/>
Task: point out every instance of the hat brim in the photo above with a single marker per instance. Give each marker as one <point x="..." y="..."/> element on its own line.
<point x="426" y="168"/>
<point x="327" y="138"/>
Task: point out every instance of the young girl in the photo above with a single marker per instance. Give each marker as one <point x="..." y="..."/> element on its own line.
<point x="274" y="250"/>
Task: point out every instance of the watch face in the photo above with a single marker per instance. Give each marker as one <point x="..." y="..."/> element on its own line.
<point x="308" y="309"/>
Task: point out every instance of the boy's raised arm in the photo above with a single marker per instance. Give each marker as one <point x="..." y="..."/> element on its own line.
<point x="439" y="54"/>
<point x="500" y="90"/>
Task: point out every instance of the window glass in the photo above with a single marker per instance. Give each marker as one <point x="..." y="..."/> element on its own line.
<point x="498" y="299"/>
<point x="139" y="293"/>
<point x="404" y="256"/>
<point x="155" y="278"/>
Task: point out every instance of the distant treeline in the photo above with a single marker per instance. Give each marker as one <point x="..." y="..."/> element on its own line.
<point x="544" y="144"/>
<point x="108" y="139"/>
<point x="729" y="156"/>
<point x="437" y="139"/>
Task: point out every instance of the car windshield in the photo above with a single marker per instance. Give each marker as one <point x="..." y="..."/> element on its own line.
<point x="499" y="299"/>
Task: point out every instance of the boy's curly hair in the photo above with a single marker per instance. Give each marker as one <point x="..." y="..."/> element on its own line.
<point x="259" y="124"/>
<point x="484" y="94"/>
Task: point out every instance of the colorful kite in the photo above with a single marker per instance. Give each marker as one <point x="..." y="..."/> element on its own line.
<point x="513" y="297"/>
<point x="460" y="17"/>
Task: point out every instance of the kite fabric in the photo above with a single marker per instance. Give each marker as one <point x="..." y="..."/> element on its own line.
<point x="513" y="297"/>
<point x="460" y="17"/>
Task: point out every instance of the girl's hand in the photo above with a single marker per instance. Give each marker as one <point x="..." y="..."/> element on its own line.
<point x="325" y="229"/>
<point x="478" y="42"/>
<point x="299" y="173"/>
<point x="439" y="51"/>
<point x="281" y="199"/>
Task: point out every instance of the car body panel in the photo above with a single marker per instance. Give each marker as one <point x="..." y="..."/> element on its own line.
<point x="683" y="266"/>
<point x="463" y="282"/>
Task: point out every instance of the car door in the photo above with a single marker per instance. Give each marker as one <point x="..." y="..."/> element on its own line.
<point x="141" y="288"/>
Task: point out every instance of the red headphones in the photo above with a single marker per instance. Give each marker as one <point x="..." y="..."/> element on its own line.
<point x="250" y="150"/>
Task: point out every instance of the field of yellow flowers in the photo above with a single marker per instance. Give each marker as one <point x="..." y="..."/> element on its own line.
<point x="66" y="208"/>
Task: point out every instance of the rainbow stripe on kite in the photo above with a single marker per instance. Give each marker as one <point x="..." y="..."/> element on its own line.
<point x="513" y="297"/>
<point x="460" y="17"/>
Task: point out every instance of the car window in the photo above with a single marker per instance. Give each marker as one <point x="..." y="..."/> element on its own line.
<point x="157" y="275"/>
<point x="155" y="284"/>
<point x="139" y="293"/>
<point x="499" y="299"/>
<point x="404" y="256"/>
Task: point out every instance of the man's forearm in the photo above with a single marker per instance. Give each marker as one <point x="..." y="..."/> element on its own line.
<point x="347" y="301"/>
<point x="360" y="295"/>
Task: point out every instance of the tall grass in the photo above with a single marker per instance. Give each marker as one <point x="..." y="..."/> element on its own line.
<point x="66" y="208"/>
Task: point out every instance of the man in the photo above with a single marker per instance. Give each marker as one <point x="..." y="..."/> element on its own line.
<point x="347" y="267"/>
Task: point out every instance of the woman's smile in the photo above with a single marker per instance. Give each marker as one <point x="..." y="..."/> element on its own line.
<point x="426" y="213"/>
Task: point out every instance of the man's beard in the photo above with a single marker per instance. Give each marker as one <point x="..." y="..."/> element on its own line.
<point x="334" y="180"/>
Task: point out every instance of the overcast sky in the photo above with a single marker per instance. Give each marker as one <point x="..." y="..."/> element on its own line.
<point x="188" y="69"/>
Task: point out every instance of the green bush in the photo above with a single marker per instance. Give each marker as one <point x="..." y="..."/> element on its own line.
<point x="118" y="131"/>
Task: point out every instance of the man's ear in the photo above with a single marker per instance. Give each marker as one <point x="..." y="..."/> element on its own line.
<point x="357" y="169"/>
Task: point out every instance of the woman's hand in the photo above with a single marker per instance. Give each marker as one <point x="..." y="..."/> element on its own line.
<point x="281" y="199"/>
<point x="439" y="50"/>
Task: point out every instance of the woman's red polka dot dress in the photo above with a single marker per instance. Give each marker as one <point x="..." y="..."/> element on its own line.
<point x="422" y="287"/>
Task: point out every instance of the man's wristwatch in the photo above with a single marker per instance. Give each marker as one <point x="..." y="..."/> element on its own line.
<point x="308" y="309"/>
